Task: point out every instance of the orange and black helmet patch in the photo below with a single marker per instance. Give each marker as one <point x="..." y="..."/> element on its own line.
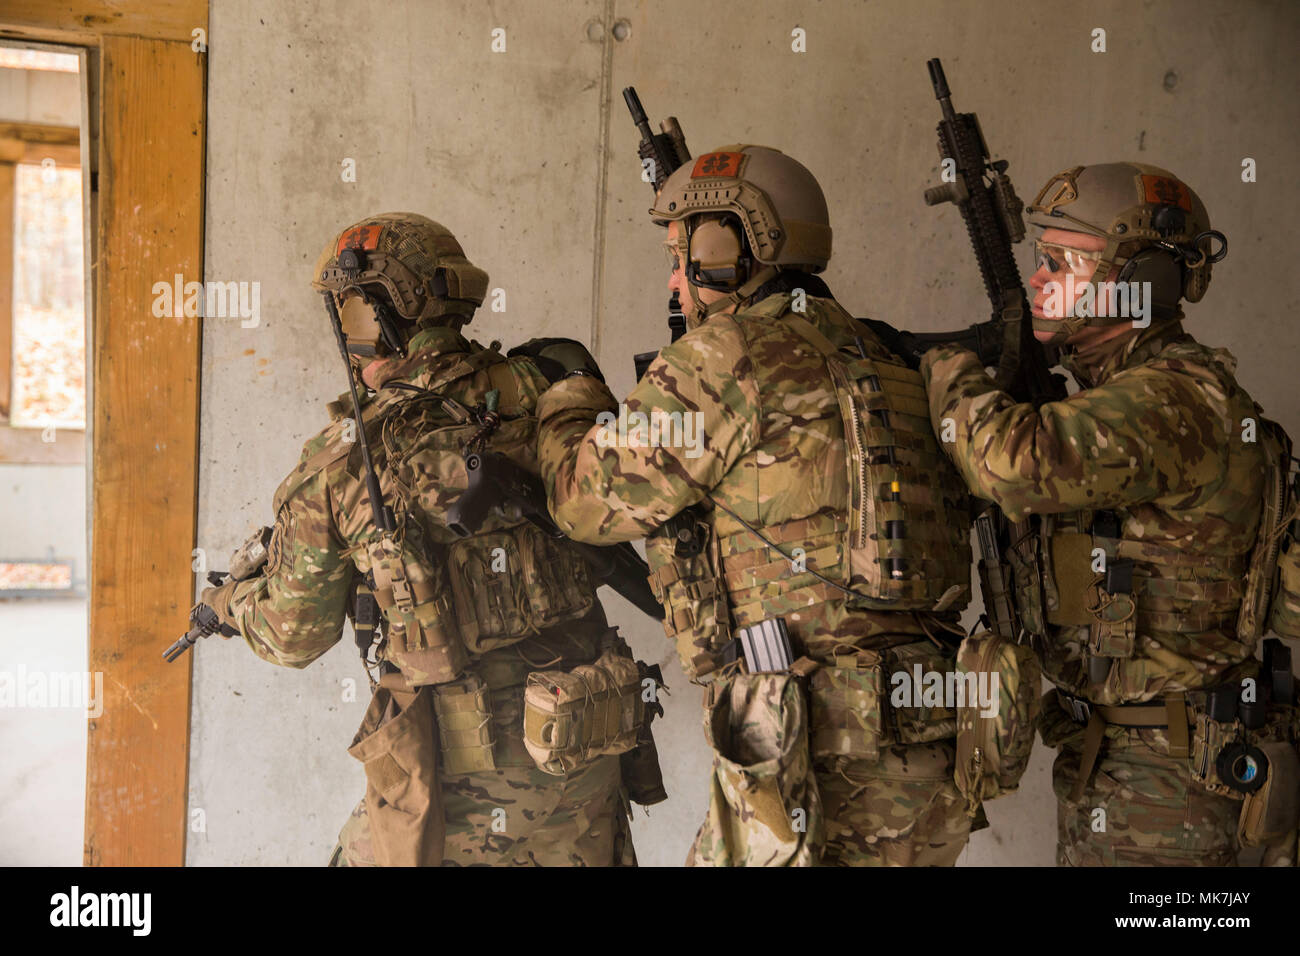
<point x="718" y="164"/>
<point x="1170" y="192"/>
<point x="359" y="237"/>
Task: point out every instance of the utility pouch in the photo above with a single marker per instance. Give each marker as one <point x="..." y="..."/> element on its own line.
<point x="1273" y="811"/>
<point x="422" y="637"/>
<point x="395" y="743"/>
<point x="764" y="805"/>
<point x="556" y="578"/>
<point x="488" y="584"/>
<point x="993" y="748"/>
<point x="685" y="580"/>
<point x="1208" y="741"/>
<point x="917" y="703"/>
<point x="573" y="717"/>
<point x="464" y="726"/>
<point x="846" y="708"/>
<point x="1284" y="616"/>
<point x="1026" y="577"/>
<point x="1073" y="578"/>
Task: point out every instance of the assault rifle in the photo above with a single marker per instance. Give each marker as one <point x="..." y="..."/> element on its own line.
<point x="983" y="194"/>
<point x="497" y="483"/>
<point x="661" y="155"/>
<point x="244" y="563"/>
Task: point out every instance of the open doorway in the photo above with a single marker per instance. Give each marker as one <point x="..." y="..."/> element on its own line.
<point x="45" y="690"/>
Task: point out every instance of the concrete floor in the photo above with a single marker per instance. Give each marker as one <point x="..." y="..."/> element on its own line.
<point x="43" y="776"/>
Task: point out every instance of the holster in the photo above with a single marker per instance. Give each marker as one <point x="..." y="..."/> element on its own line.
<point x="397" y="744"/>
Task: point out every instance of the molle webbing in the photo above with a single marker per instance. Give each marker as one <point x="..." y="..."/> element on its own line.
<point x="750" y="567"/>
<point x="904" y="544"/>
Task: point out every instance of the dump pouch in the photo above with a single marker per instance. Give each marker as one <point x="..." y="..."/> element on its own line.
<point x="764" y="805"/>
<point x="573" y="717"/>
<point x="993" y="748"/>
<point x="396" y="745"/>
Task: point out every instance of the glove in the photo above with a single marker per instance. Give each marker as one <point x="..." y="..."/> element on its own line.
<point x="218" y="599"/>
<point x="559" y="358"/>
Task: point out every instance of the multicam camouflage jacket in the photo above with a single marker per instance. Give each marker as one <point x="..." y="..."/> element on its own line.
<point x="743" y="414"/>
<point x="1159" y="437"/>
<point x="294" y="610"/>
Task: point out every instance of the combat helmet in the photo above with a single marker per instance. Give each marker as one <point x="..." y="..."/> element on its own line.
<point x="747" y="212"/>
<point x="1155" y="227"/>
<point x="389" y="272"/>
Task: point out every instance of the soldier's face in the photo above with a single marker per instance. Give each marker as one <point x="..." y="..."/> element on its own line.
<point x="1064" y="295"/>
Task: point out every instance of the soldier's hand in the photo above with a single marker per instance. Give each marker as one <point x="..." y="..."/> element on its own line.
<point x="218" y="598"/>
<point x="558" y="358"/>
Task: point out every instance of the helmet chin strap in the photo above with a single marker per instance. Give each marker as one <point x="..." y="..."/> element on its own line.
<point x="701" y="312"/>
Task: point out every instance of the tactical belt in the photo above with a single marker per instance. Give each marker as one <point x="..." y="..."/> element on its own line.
<point x="1174" y="715"/>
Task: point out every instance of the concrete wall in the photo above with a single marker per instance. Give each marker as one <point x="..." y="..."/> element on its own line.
<point x="40" y="96"/>
<point x="530" y="157"/>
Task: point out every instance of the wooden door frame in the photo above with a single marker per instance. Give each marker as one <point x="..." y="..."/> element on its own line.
<point x="146" y="126"/>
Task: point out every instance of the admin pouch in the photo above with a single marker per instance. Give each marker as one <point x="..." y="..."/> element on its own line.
<point x="764" y="805"/>
<point x="396" y="745"/>
<point x="993" y="748"/>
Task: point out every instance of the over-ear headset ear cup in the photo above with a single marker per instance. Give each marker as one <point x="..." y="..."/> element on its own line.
<point x="716" y="256"/>
<point x="1162" y="270"/>
<point x="1197" y="281"/>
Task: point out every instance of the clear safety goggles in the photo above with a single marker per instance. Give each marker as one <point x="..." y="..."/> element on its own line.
<point x="1054" y="257"/>
<point x="673" y="253"/>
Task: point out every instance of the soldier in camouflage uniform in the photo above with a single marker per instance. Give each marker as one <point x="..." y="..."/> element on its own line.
<point x="1149" y="484"/>
<point x="757" y="522"/>
<point x="465" y="621"/>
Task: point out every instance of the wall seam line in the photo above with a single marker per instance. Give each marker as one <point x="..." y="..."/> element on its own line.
<point x="602" y="176"/>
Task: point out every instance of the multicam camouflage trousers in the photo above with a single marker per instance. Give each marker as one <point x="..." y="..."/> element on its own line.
<point x="1140" y="807"/>
<point x="520" y="816"/>
<point x="900" y="810"/>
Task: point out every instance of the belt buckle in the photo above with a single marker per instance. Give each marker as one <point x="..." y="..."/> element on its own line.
<point x="1080" y="710"/>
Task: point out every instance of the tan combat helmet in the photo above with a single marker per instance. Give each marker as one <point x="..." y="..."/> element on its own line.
<point x="1156" y="230"/>
<point x="402" y="268"/>
<point x="747" y="212"/>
